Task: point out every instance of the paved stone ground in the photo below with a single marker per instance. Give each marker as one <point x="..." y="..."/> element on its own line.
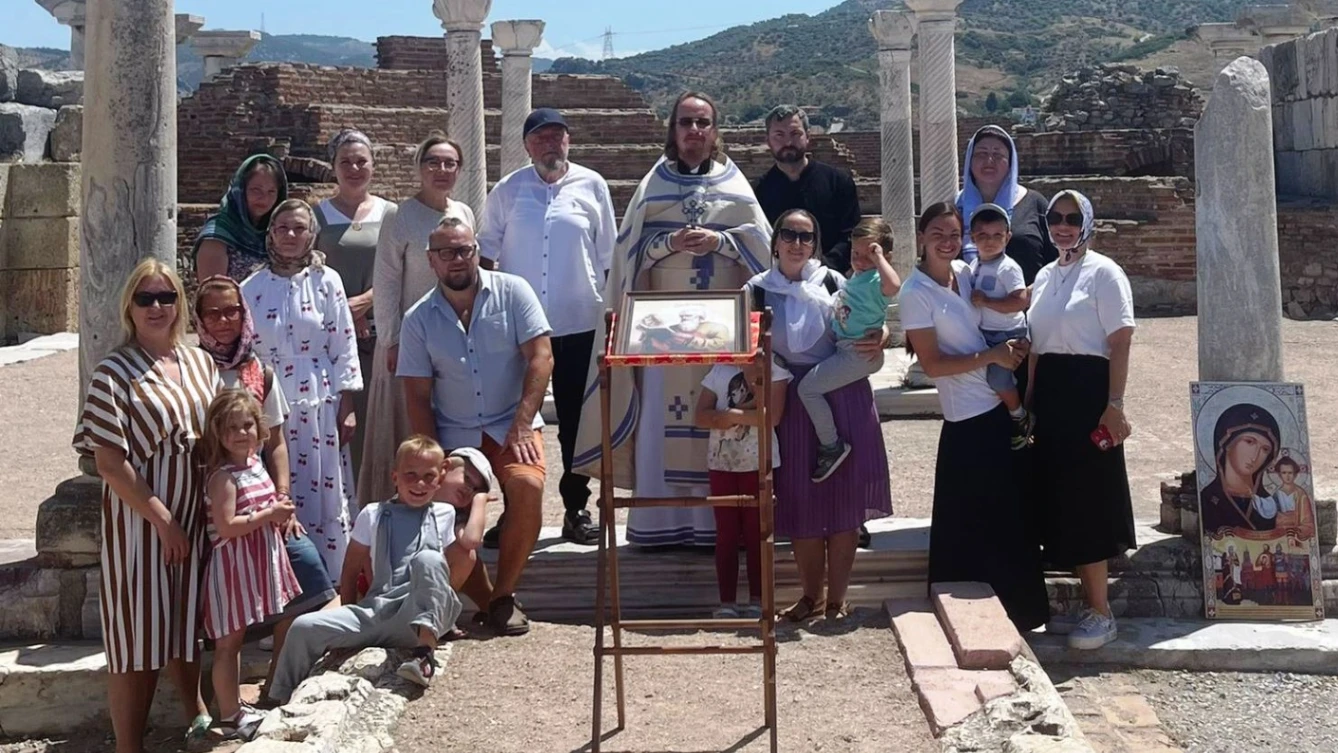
<point x="1207" y="712"/>
<point x="38" y="399"/>
<point x="837" y="690"/>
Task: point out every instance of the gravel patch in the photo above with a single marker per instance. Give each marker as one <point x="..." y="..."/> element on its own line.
<point x="1226" y="712"/>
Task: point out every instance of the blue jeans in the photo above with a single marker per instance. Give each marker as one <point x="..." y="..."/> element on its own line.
<point x="999" y="378"/>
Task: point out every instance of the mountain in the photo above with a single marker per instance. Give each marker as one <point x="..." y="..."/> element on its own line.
<point x="1013" y="48"/>
<point x="282" y="48"/>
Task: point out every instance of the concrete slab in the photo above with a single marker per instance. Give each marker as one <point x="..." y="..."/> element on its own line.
<point x="37" y="347"/>
<point x="1160" y="643"/>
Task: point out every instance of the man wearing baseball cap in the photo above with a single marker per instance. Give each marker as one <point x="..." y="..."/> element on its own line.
<point x="552" y="223"/>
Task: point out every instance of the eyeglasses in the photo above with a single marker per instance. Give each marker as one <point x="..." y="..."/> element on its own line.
<point x="162" y="298"/>
<point x="298" y="230"/>
<point x="701" y="123"/>
<point x="1072" y="219"/>
<point x="989" y="156"/>
<point x="227" y="313"/>
<point x="441" y="165"/>
<point x="447" y="253"/>
<point x="802" y="237"/>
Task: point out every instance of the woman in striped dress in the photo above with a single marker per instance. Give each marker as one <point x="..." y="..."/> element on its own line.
<point x="248" y="578"/>
<point x="140" y="422"/>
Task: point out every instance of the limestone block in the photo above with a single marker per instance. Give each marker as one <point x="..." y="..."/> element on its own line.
<point x="41" y="243"/>
<point x="69" y="521"/>
<point x="31" y="596"/>
<point x="41" y="301"/>
<point x="68" y="135"/>
<point x="1302" y="134"/>
<point x="49" y="189"/>
<point x="1283" y="72"/>
<point x="1282" y="128"/>
<point x="1316" y="76"/>
<point x="9" y="73"/>
<point x="24" y="131"/>
<point x="1302" y="90"/>
<point x="4" y="188"/>
<point x="51" y="89"/>
<point x="1327" y="514"/>
<point x="1265" y="57"/>
<point x="1317" y="135"/>
<point x="1289" y="173"/>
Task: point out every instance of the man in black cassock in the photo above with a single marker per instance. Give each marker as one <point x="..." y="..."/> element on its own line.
<point x="798" y="181"/>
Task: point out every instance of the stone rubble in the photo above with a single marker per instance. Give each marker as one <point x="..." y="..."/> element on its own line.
<point x="50" y="89"/>
<point x="348" y="706"/>
<point x="23" y="131"/>
<point x="1111" y="96"/>
<point x="9" y="73"/>
<point x="1033" y="720"/>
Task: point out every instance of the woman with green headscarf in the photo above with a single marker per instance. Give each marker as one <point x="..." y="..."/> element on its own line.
<point x="232" y="242"/>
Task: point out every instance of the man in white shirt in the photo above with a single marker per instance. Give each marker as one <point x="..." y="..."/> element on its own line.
<point x="552" y="223"/>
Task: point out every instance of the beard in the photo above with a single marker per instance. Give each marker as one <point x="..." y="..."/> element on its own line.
<point x="552" y="163"/>
<point x="788" y="155"/>
<point x="459" y="281"/>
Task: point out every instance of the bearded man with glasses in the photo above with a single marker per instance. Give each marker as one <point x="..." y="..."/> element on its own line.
<point x="475" y="358"/>
<point x="693" y="224"/>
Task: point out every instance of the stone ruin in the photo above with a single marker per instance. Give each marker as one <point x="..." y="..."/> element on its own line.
<point x="1121" y="96"/>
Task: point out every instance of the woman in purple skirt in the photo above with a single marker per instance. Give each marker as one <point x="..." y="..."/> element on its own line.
<point x="822" y="520"/>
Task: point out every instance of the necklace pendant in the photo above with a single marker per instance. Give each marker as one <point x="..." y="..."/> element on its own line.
<point x="357" y="225"/>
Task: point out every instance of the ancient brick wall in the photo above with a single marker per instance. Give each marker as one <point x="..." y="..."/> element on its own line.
<point x="1308" y="258"/>
<point x="1304" y="78"/>
<point x="399" y="53"/>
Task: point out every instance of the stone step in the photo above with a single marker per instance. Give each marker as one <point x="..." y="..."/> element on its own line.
<point x="976" y="624"/>
<point x="55" y="687"/>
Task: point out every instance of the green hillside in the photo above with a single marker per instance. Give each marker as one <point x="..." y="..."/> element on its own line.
<point x="829" y="59"/>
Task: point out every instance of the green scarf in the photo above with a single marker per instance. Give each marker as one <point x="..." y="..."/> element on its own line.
<point x="232" y="224"/>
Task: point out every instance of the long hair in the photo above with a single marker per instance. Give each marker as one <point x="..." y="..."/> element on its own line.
<point x="147" y="269"/>
<point x="226" y="404"/>
<point x="780" y="222"/>
<point x="671" y="144"/>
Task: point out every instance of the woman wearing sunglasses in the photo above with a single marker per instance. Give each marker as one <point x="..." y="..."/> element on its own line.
<point x="822" y="518"/>
<point x="143" y="414"/>
<point x="402" y="276"/>
<point x="304" y="331"/>
<point x="1082" y="322"/>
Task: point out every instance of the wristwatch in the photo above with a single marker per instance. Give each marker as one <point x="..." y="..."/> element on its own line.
<point x="1118" y="402"/>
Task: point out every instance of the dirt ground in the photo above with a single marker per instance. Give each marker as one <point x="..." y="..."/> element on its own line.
<point x="38" y="409"/>
<point x="838" y="689"/>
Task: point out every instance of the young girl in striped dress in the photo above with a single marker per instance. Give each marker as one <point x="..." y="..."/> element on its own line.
<point x="248" y="578"/>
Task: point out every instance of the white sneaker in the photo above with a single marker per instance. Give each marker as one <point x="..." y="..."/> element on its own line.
<point x="1095" y="631"/>
<point x="725" y="612"/>
<point x="267" y="643"/>
<point x="1063" y="624"/>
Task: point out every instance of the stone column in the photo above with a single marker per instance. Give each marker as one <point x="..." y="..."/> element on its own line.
<point x="935" y="22"/>
<point x="187" y="25"/>
<point x="222" y="49"/>
<point x="516" y="40"/>
<point x="463" y="22"/>
<point x="71" y="13"/>
<point x="1236" y="224"/>
<point x="894" y="30"/>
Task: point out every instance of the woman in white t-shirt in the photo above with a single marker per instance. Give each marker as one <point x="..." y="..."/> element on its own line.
<point x="979" y="530"/>
<point x="1082" y="321"/>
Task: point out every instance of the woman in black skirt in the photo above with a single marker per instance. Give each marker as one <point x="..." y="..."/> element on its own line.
<point x="980" y="530"/>
<point x="1082" y="321"/>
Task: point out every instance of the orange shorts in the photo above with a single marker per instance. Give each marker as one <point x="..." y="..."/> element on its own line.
<point x="507" y="466"/>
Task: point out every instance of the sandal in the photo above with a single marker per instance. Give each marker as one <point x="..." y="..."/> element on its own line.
<point x="801" y="610"/>
<point x="199" y="728"/>
<point x="837" y="611"/>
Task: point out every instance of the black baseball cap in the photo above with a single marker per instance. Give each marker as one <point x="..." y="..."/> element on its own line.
<point x="544" y="116"/>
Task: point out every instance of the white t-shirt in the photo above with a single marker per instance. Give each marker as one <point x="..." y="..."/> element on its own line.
<point x="1075" y="308"/>
<point x="925" y="304"/>
<point x="364" y="528"/>
<point x="275" y="408"/>
<point x="997" y="279"/>
<point x="735" y="449"/>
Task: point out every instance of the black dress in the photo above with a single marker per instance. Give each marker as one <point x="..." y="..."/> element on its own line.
<point x="980" y="529"/>
<point x="1031" y="247"/>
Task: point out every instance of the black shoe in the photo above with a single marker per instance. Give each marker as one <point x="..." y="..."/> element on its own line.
<point x="829" y="459"/>
<point x="864" y="538"/>
<point x="493" y="537"/>
<point x="579" y="529"/>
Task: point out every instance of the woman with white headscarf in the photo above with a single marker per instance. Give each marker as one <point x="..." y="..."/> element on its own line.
<point x="1082" y="322"/>
<point x="990" y="177"/>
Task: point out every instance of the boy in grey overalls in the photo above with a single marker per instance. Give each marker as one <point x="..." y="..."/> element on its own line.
<point x="411" y="545"/>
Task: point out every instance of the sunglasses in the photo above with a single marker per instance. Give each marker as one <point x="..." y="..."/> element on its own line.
<point x="796" y="236"/>
<point x="701" y="123"/>
<point x="447" y="253"/>
<point x="1072" y="219"/>
<point x="227" y="313"/>
<point x="164" y="298"/>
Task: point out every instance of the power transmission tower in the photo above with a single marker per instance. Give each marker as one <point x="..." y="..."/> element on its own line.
<point x="608" y="43"/>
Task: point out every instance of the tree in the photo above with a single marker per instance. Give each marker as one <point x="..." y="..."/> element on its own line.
<point x="1018" y="98"/>
<point x="992" y="102"/>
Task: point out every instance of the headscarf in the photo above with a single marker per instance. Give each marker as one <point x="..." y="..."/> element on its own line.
<point x="1246" y="418"/>
<point x="238" y="354"/>
<point x="808" y="304"/>
<point x="232" y="225"/>
<point x="1009" y="194"/>
<point x="1088" y="220"/>
<point x="310" y="258"/>
<point x="344" y="138"/>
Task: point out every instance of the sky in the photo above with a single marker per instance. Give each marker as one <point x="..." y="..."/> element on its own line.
<point x="574" y="30"/>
